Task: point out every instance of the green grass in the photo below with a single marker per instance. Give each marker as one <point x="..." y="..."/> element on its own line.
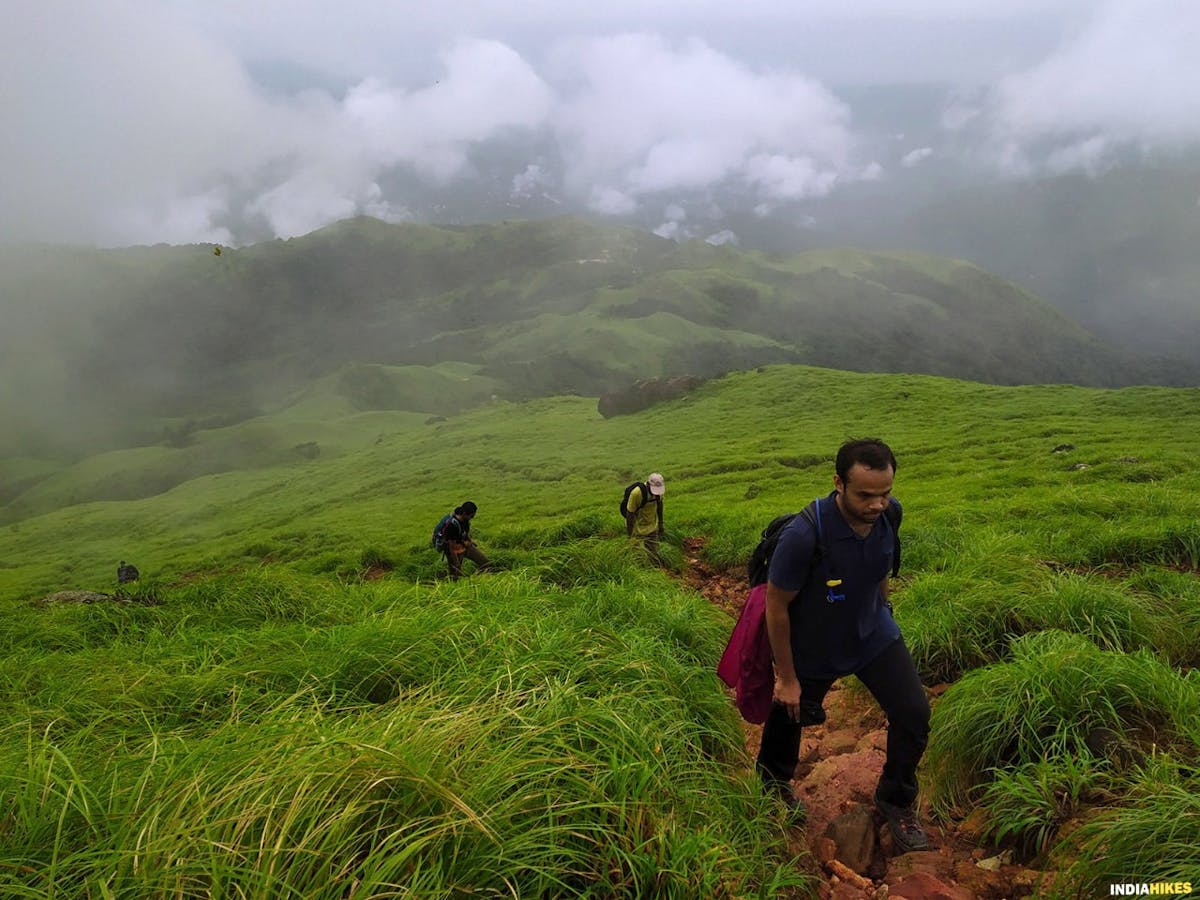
<point x="289" y="737"/>
<point x="264" y="717"/>
<point x="1149" y="837"/>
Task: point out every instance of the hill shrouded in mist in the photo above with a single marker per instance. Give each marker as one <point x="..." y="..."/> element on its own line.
<point x="144" y="345"/>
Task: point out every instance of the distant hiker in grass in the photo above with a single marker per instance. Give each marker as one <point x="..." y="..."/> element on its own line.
<point x="830" y="617"/>
<point x="453" y="538"/>
<point x="642" y="507"/>
<point x="126" y="572"/>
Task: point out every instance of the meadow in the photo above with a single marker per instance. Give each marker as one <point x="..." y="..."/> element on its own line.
<point x="265" y="720"/>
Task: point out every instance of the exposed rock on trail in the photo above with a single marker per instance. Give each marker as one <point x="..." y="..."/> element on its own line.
<point x="91" y="597"/>
<point x="840" y="761"/>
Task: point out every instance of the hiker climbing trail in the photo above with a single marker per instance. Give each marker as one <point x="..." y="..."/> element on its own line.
<point x="839" y="765"/>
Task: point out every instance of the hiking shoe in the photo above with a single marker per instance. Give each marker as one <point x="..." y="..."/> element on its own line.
<point x="907" y="833"/>
<point x="782" y="791"/>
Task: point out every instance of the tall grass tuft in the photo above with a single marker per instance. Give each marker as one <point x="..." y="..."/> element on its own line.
<point x="1029" y="802"/>
<point x="495" y="736"/>
<point x="1051" y="701"/>
<point x="1152" y="836"/>
<point x="957" y="621"/>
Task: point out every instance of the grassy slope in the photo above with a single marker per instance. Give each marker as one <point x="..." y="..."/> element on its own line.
<point x="104" y="349"/>
<point x="971" y="455"/>
<point x="1005" y="538"/>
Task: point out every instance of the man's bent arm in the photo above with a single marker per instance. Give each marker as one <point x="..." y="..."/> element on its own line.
<point x="779" y="633"/>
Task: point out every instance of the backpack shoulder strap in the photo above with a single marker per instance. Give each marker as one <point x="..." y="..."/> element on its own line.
<point x="643" y="490"/>
<point x="812" y="512"/>
<point x="894" y="515"/>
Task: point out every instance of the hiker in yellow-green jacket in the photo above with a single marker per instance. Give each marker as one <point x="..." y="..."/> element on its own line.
<point x="643" y="509"/>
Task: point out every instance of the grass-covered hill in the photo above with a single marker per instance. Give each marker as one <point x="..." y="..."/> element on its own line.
<point x="268" y="718"/>
<point x="1115" y="251"/>
<point x="126" y="347"/>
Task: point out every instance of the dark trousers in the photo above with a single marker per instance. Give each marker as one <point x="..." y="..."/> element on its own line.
<point x="454" y="560"/>
<point x="893" y="681"/>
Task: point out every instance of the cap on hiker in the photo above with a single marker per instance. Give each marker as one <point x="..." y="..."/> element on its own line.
<point x="657" y="488"/>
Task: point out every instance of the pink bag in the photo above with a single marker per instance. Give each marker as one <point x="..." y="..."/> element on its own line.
<point x="746" y="663"/>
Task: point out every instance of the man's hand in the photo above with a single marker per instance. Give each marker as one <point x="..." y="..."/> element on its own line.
<point x="787" y="694"/>
<point x="779" y="633"/>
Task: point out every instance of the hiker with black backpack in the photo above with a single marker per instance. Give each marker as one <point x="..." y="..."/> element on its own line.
<point x="452" y="536"/>
<point x="127" y="572"/>
<point x="827" y="615"/>
<point x="642" y="507"/>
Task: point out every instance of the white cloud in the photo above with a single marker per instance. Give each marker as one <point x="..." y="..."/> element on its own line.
<point x="789" y="177"/>
<point x="1131" y="75"/>
<point x="872" y="171"/>
<point x="672" y="230"/>
<point x="535" y="178"/>
<point x="610" y="201"/>
<point x="485" y="89"/>
<point x="130" y="128"/>
<point x="916" y="157"/>
<point x="142" y="120"/>
<point x="650" y="116"/>
<point x="182" y="220"/>
<point x="725" y="236"/>
<point x="1091" y="156"/>
<point x="118" y="122"/>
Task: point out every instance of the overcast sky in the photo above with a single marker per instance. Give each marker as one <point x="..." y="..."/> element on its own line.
<point x="146" y="121"/>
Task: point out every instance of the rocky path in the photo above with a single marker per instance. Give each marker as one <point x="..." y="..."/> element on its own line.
<point x="840" y="762"/>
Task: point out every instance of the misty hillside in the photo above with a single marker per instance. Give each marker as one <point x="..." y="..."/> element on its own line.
<point x="1114" y="251"/>
<point x="1124" y="256"/>
<point x="145" y="345"/>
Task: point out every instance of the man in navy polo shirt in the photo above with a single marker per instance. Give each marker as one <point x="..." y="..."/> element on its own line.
<point x="821" y="631"/>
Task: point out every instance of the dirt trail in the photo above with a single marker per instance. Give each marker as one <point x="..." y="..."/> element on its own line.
<point x="840" y="762"/>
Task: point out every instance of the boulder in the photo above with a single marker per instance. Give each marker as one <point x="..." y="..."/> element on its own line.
<point x="853" y="833"/>
<point x="646" y="392"/>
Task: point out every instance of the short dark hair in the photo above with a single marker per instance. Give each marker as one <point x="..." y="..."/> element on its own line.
<point x="869" y="452"/>
<point x="468" y="508"/>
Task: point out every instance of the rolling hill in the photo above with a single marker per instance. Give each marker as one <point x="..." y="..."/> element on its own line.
<point x="106" y="349"/>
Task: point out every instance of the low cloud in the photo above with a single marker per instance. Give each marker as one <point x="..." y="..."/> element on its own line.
<point x="916" y="157"/>
<point x="722" y="237"/>
<point x="611" y="202"/>
<point x="532" y="181"/>
<point x="132" y="129"/>
<point x="1129" y="79"/>
<point x="641" y="116"/>
<point x="132" y="122"/>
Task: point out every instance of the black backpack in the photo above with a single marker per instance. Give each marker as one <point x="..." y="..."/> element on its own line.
<point x="759" y="565"/>
<point x="127" y="572"/>
<point x="646" y="498"/>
